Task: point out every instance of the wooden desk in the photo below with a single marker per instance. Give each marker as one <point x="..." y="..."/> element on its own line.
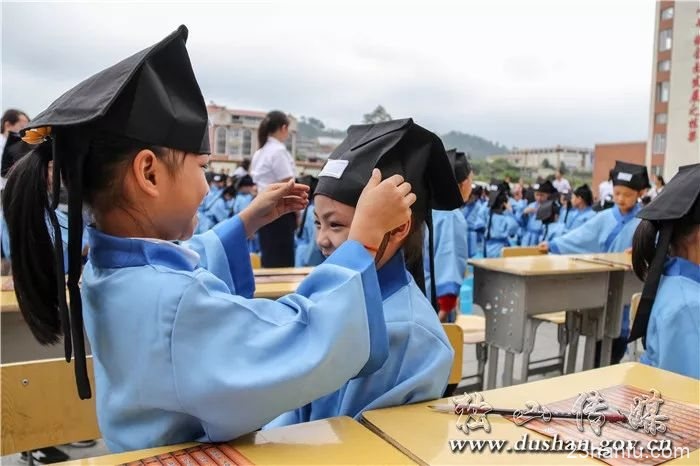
<point x="339" y="440"/>
<point x="510" y="289"/>
<point x="268" y="289"/>
<point x="283" y="271"/>
<point x="423" y="434"/>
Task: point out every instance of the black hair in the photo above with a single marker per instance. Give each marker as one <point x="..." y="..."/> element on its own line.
<point x="11" y="116"/>
<point x="661" y="179"/>
<point x="644" y="243"/>
<point x="271" y="123"/>
<point x="39" y="281"/>
<point x="245" y="164"/>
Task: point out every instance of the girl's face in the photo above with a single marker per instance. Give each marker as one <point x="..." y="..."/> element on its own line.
<point x="332" y="220"/>
<point x="181" y="193"/>
<point x="577" y="202"/>
<point x="541" y="197"/>
<point x="625" y="198"/>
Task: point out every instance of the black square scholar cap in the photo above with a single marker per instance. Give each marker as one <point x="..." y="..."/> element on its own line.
<point x="630" y="175"/>
<point x="677" y="203"/>
<point x="395" y="147"/>
<point x="152" y="97"/>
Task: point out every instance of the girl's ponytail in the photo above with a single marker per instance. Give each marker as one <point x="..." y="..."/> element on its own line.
<point x="643" y="248"/>
<point x="32" y="245"/>
<point x="270" y="124"/>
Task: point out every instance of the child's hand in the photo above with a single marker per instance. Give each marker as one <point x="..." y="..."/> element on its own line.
<point x="628" y="251"/>
<point x="383" y="206"/>
<point x="543" y="247"/>
<point x="278" y="199"/>
<point x="528" y="210"/>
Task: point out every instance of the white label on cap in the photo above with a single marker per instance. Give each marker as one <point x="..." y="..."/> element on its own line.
<point x="334" y="168"/>
<point x="622" y="176"/>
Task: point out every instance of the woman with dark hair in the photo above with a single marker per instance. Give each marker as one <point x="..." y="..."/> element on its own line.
<point x="659" y="184"/>
<point x="666" y="255"/>
<point x="272" y="163"/>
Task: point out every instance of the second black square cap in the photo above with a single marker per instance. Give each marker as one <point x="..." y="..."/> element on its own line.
<point x="395" y="147"/>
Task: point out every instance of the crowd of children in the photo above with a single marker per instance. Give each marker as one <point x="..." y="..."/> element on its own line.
<point x="181" y="350"/>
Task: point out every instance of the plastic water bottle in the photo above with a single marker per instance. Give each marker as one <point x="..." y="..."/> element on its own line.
<point x="466" y="292"/>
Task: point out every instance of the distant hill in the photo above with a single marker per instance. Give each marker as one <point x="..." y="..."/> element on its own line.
<point x="475" y="146"/>
<point x="311" y="128"/>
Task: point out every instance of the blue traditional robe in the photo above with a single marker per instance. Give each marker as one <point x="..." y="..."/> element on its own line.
<point x="307" y="252"/>
<point x="673" y="335"/>
<point x="531" y="228"/>
<point x="240" y="202"/>
<point x="419" y="363"/>
<point x="575" y="217"/>
<point x="471" y="213"/>
<point x="607" y="231"/>
<point x="498" y="233"/>
<point x="182" y="354"/>
<point x="451" y="252"/>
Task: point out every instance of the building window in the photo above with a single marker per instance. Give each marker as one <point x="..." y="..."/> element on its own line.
<point x="657" y="170"/>
<point x="233" y="146"/>
<point x="235" y="118"/>
<point x="659" y="143"/>
<point x="661" y="118"/>
<point x="664" y="65"/>
<point x="665" y="38"/>
<point x="221" y="140"/>
<point x="662" y="91"/>
<point x="247" y="142"/>
<point x="667" y="13"/>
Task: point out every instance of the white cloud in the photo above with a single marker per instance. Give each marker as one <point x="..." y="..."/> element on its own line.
<point x="520" y="72"/>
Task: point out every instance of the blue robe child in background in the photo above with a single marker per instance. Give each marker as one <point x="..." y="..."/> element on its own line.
<point x="500" y="223"/>
<point x="471" y="211"/>
<point x="609" y="231"/>
<point x="306" y="252"/>
<point x="580" y="209"/>
<point x="223" y="205"/>
<point x="450" y="244"/>
<point x="245" y="193"/>
<point x="531" y="228"/>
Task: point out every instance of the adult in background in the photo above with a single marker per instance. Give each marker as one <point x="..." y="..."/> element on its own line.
<point x="242" y="169"/>
<point x="13" y="121"/>
<point x="605" y="192"/>
<point x="659" y="184"/>
<point x="560" y="183"/>
<point x="272" y="163"/>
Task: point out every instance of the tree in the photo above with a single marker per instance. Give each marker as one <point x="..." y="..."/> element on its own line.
<point x="546" y="164"/>
<point x="377" y="115"/>
<point x="562" y="168"/>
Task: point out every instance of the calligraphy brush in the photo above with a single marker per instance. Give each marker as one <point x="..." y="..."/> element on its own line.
<point x="523" y="413"/>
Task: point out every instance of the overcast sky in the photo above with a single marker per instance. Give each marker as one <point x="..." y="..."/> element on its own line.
<point x="523" y="73"/>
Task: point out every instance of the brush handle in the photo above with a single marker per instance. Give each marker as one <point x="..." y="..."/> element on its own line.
<point x="465" y="409"/>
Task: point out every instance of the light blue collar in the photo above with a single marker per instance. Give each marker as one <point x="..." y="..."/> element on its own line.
<point x="682" y="267"/>
<point x="392" y="276"/>
<point x="107" y="251"/>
